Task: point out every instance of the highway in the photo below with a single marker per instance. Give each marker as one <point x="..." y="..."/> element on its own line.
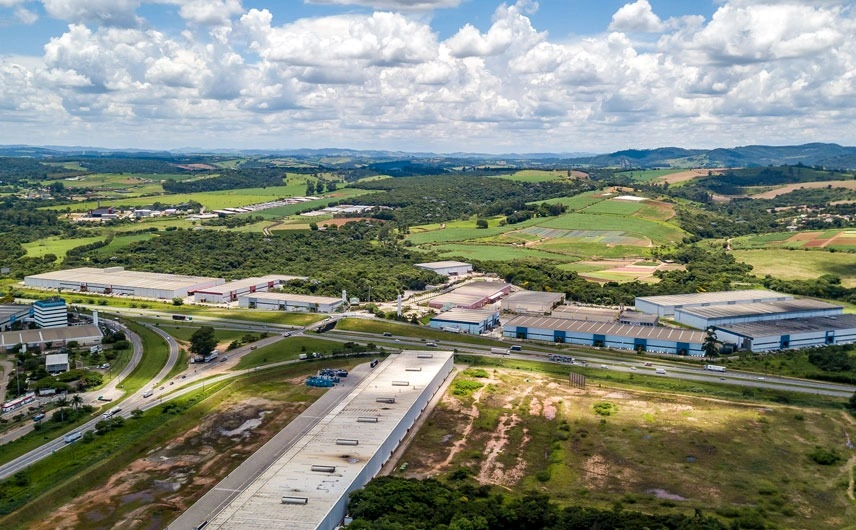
<point x="203" y="374"/>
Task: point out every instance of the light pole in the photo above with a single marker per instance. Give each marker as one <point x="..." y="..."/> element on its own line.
<point x="17" y="378"/>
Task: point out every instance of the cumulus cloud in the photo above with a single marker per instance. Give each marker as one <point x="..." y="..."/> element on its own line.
<point x="636" y="17"/>
<point x="385" y="79"/>
<point x="397" y="5"/>
<point x="108" y="12"/>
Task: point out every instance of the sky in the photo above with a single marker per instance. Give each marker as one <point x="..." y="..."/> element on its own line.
<point x="442" y="76"/>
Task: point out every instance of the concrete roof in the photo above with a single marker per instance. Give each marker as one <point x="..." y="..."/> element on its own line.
<point x="719" y="297"/>
<point x="442" y="264"/>
<point x="56" y="358"/>
<point x="534" y="297"/>
<point x="576" y="312"/>
<point x="119" y="276"/>
<point x="791" y="326"/>
<point x="10" y="310"/>
<point x="608" y="328"/>
<point x="31" y="336"/>
<point x="485" y="289"/>
<point x="244" y="283"/>
<point x="761" y="308"/>
<point x="309" y="299"/>
<point x="456" y="299"/>
<point x="468" y="316"/>
<point x="259" y="506"/>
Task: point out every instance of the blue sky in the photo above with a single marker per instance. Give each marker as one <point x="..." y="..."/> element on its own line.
<point x="427" y="75"/>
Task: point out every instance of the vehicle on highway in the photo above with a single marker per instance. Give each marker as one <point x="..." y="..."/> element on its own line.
<point x="253" y="347"/>
<point x="387" y="334"/>
<point x="148" y="393"/>
<point x="431" y="344"/>
<point x="660" y="371"/>
<point x="39" y="417"/>
<point x="72" y="437"/>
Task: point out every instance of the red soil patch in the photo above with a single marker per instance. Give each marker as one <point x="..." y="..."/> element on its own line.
<point x="816" y="243"/>
<point x="805" y="236"/>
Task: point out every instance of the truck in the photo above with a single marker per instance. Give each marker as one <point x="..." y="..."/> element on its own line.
<point x="211" y="356"/>
<point x="660" y="371"/>
<point x="515" y="347"/>
<point x="148" y="393"/>
<point x="72" y="437"/>
<point x="303" y="356"/>
<point x="499" y="351"/>
<point x="181" y="317"/>
<point x="715" y="368"/>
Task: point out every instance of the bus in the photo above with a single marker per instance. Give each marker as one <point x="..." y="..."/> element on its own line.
<point x="19" y="402"/>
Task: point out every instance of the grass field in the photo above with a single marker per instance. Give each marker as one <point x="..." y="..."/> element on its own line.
<point x="657" y="232"/>
<point x="800" y="264"/>
<point x="652" y="452"/>
<point x="646" y="175"/>
<point x="341" y="194"/>
<point x="498" y="253"/>
<point x="56" y="245"/>
<point x="535" y="175"/>
<point x="614" y="207"/>
<point x="578" y="202"/>
<point x="287" y="350"/>
<point x="155" y="355"/>
<point x="122" y="241"/>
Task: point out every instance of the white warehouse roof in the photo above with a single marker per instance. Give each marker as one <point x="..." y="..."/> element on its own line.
<point x="762" y="308"/>
<point x="467" y="316"/>
<point x="245" y="283"/>
<point x="303" y="489"/>
<point x="302" y="298"/>
<point x="718" y="297"/>
<point x="608" y="328"/>
<point x="118" y="276"/>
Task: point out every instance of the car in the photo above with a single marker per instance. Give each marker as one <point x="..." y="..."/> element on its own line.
<point x="172" y="382"/>
<point x="253" y="347"/>
<point x="760" y="378"/>
<point x="223" y="359"/>
<point x="604" y="366"/>
<point x="722" y="379"/>
<point x="184" y="376"/>
<point x="632" y="367"/>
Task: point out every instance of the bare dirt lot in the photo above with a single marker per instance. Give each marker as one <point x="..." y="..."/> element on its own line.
<point x="772" y="194"/>
<point x="154" y="489"/>
<point x="657" y="451"/>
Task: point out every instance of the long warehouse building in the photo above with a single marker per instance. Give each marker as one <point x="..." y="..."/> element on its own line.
<point x="666" y="305"/>
<point x="117" y="280"/>
<point x="308" y="487"/>
<point x="723" y="315"/>
<point x="606" y="334"/>
<point x="291" y="302"/>
<point x="789" y="334"/>
<point x="231" y="291"/>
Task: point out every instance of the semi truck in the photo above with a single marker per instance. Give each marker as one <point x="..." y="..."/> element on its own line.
<point x="499" y="351"/>
<point x="715" y="368"/>
<point x="72" y="437"/>
<point x="181" y="317"/>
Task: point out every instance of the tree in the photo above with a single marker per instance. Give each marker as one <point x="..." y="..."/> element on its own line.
<point x="202" y="341"/>
<point x="481" y="223"/>
<point x="76" y="401"/>
<point x="310" y="187"/>
<point x="709" y="346"/>
<point x="177" y="301"/>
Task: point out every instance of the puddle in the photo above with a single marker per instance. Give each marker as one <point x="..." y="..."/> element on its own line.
<point x="246" y="426"/>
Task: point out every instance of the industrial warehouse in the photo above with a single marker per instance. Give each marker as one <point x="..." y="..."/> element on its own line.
<point x="42" y="339"/>
<point x="447" y="268"/>
<point x="473" y="295"/>
<point x="291" y="302"/>
<point x="723" y="315"/>
<point x="12" y="313"/>
<point x="667" y="304"/>
<point x="231" y="291"/>
<point x="474" y="321"/>
<point x="116" y="280"/>
<point x="606" y="334"/>
<point x="531" y="302"/>
<point x="307" y="487"/>
<point x="792" y="333"/>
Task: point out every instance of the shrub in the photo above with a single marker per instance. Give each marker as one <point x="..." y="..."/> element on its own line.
<point x="824" y="456"/>
<point x="605" y="408"/>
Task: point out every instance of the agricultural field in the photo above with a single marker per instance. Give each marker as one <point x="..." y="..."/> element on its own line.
<point x="678" y="178"/>
<point x="498" y="253"/>
<point x="647" y="175"/>
<point x="654" y="231"/>
<point x="801" y="265"/>
<point x="56" y="245"/>
<point x="609" y="445"/>
<point x="612" y="270"/>
<point x="578" y="202"/>
<point x="772" y="194"/>
<point x="538" y="175"/>
<point x="837" y="239"/>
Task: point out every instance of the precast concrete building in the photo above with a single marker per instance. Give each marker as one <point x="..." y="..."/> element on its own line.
<point x="666" y="305"/>
<point x="724" y="315"/>
<point x="308" y="487"/>
<point x="474" y="295"/>
<point x="231" y="291"/>
<point x="447" y="268"/>
<point x="472" y="321"/>
<point x="587" y="313"/>
<point x="56" y="363"/>
<point x="116" y="280"/>
<point x="50" y="313"/>
<point x="291" y="302"/>
<point x="531" y="302"/>
<point x="606" y="334"/>
<point x="41" y="339"/>
<point x="12" y="313"/>
<point x="792" y="333"/>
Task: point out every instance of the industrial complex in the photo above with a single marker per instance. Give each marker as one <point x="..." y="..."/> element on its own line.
<point x="606" y="334"/>
<point x="307" y="487"/>
<point x="447" y="268"/>
<point x="231" y="291"/>
<point x="42" y="339"/>
<point x="291" y="302"/>
<point x="667" y="304"/>
<point x="116" y="280"/>
<point x="474" y="321"/>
